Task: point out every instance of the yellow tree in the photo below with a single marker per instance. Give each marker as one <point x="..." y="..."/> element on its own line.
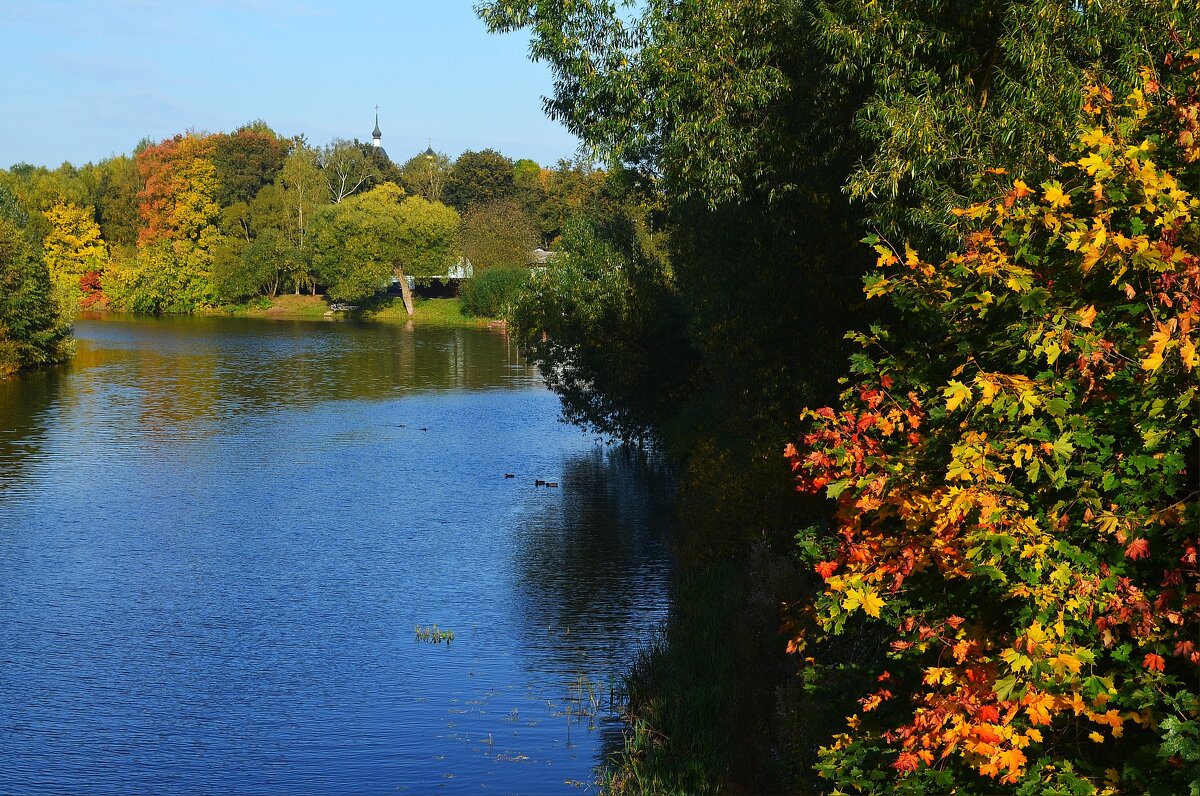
<point x="72" y="247"/>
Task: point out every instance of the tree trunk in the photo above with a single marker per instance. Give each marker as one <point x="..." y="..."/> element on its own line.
<point x="404" y="290"/>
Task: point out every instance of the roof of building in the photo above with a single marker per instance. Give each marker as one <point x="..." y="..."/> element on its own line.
<point x="375" y="133"/>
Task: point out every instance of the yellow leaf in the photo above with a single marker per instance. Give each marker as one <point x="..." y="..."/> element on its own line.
<point x="1154" y="360"/>
<point x="871" y="604"/>
<point x="955" y="393"/>
<point x="1055" y="197"/>
<point x="1093" y="163"/>
<point x="1087" y="316"/>
<point x="1187" y="352"/>
<point x="910" y="256"/>
<point x="1096" y="737"/>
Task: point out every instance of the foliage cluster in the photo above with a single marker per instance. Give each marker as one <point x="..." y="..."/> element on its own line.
<point x="494" y="292"/>
<point x="1017" y="490"/>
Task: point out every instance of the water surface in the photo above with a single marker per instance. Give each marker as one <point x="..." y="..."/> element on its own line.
<point x="217" y="536"/>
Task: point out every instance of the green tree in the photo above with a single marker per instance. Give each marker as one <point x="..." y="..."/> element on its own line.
<point x="497" y="235"/>
<point x="118" y="186"/>
<point x="478" y="178"/>
<point x="304" y="190"/>
<point x="385" y="169"/>
<point x="425" y="175"/>
<point x="263" y="265"/>
<point x="246" y="160"/>
<point x="361" y="242"/>
<point x="32" y="330"/>
<point x="597" y="320"/>
<point x="346" y="168"/>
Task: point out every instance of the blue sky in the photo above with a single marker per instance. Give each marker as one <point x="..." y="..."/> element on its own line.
<point x="80" y="81"/>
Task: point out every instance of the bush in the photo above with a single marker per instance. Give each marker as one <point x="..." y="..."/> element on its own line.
<point x="1015" y="491"/>
<point x="491" y="294"/>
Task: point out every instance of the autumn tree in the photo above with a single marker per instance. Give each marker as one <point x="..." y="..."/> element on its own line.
<point x="172" y="269"/>
<point x="178" y="201"/>
<point x="71" y="249"/>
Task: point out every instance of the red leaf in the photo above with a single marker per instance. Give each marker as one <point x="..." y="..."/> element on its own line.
<point x="826" y="568"/>
<point x="1154" y="663"/>
<point x="1138" y="548"/>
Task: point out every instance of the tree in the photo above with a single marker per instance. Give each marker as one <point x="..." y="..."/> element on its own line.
<point x="386" y="170"/>
<point x="167" y="276"/>
<point x="597" y="319"/>
<point x="1016" y="498"/>
<point x="497" y="235"/>
<point x="478" y="178"/>
<point x="347" y="169"/>
<point x="117" y="192"/>
<point x="178" y="201"/>
<point x="246" y="160"/>
<point x="362" y="242"/>
<point x="569" y="190"/>
<point x="72" y="248"/>
<point x="242" y="269"/>
<point x="32" y="331"/>
<point x="303" y="190"/>
<point x="425" y="175"/>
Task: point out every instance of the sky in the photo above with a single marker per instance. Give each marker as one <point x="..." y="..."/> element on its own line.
<point x="81" y="81"/>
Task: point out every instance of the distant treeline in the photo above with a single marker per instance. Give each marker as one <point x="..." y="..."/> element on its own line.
<point x="202" y="220"/>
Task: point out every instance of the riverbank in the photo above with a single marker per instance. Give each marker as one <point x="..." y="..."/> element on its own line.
<point x="432" y="311"/>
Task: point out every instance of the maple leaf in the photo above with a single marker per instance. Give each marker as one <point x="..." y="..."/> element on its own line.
<point x="1054" y="195"/>
<point x="1154" y="662"/>
<point x="906" y="762"/>
<point x="871" y="604"/>
<point x="1138" y="548"/>
<point x="826" y="568"/>
<point x="1012" y="759"/>
<point x="1038" y="708"/>
<point x="955" y="393"/>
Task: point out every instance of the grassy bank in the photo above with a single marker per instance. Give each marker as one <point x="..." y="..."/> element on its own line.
<point x="439" y="311"/>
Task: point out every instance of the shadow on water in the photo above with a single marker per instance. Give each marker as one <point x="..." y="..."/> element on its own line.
<point x="582" y="559"/>
<point x="593" y="569"/>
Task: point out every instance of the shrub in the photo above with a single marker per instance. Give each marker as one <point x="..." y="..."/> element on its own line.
<point x="492" y="293"/>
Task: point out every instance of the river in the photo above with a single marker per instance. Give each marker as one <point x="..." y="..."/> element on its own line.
<point x="218" y="535"/>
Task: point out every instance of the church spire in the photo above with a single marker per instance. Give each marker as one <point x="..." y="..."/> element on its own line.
<point x="375" y="134"/>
